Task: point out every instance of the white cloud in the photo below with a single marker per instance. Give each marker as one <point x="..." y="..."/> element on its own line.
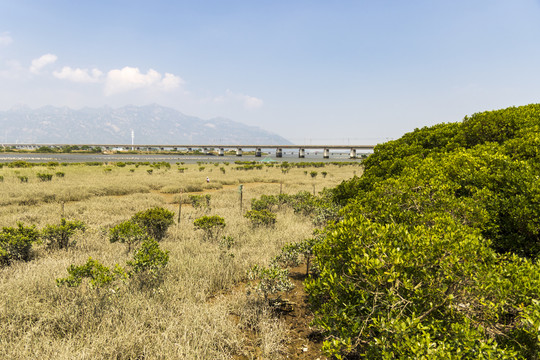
<point x="5" y="39"/>
<point x="130" y="78"/>
<point x="248" y="102"/>
<point x="42" y="61"/>
<point x="79" y="75"/>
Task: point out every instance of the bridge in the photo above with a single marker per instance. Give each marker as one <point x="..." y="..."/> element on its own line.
<point x="258" y="149"/>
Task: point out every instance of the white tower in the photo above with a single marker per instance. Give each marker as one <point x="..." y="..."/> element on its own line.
<point x="132" y="139"/>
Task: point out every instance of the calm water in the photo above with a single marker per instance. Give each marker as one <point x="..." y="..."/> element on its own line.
<point x="290" y="156"/>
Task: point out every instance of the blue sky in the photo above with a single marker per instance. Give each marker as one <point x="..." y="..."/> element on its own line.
<point x="335" y="72"/>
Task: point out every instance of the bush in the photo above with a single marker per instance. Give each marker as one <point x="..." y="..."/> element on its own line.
<point x="155" y="221"/>
<point x="149" y="259"/>
<point x="210" y="225"/>
<point x="261" y="218"/>
<point x="98" y="274"/>
<point x="200" y="201"/>
<point x="128" y="233"/>
<point x="16" y="243"/>
<point x="59" y="236"/>
<point x="22" y="178"/>
<point x="270" y="280"/>
<point x="419" y="293"/>
<point x="44" y="177"/>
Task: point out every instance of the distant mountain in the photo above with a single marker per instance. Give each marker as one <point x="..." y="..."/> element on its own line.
<point x="152" y="124"/>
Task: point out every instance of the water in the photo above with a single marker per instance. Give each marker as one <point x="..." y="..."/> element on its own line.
<point x="290" y="156"/>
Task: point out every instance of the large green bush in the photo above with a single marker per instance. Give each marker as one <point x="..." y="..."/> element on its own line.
<point x="437" y="254"/>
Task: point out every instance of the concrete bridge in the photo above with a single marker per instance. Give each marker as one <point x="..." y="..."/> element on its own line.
<point x="258" y="149"/>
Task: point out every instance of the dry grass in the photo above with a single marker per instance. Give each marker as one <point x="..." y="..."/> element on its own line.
<point x="197" y="312"/>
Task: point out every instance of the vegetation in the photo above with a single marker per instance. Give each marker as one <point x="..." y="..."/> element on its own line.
<point x="436" y="254"/>
<point x="193" y="307"/>
<point x="155" y="221"/>
<point x="210" y="225"/>
<point x="60" y="236"/>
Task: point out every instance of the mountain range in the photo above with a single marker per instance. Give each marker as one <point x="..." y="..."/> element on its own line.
<point x="151" y="124"/>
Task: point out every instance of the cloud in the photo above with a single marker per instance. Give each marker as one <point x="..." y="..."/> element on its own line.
<point x="130" y="78"/>
<point x="5" y="39"/>
<point x="39" y="63"/>
<point x="248" y="102"/>
<point x="79" y="75"/>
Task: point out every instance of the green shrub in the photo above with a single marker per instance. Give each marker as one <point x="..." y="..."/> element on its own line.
<point x="200" y="201"/>
<point x="210" y="225"/>
<point x="59" y="236"/>
<point x="155" y="221"/>
<point x="127" y="232"/>
<point x="313" y="174"/>
<point x="261" y="217"/>
<point x="16" y="243"/>
<point x="98" y="275"/>
<point x="270" y="280"/>
<point x="148" y="259"/>
<point x="265" y="202"/>
<point x="60" y="174"/>
<point x="22" y="178"/>
<point x="418" y="293"/>
<point x="44" y="177"/>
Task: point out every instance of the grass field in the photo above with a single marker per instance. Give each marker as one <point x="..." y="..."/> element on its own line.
<point x="201" y="310"/>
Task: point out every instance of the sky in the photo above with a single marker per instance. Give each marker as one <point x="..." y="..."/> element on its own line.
<point x="312" y="71"/>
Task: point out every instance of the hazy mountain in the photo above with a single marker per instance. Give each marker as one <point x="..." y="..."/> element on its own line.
<point x="152" y="124"/>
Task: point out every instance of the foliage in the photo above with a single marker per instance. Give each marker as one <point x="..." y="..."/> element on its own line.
<point x="270" y="280"/>
<point x="148" y="259"/>
<point x="261" y="218"/>
<point x="44" y="177"/>
<point x="155" y="221"/>
<point x="386" y="291"/>
<point x="59" y="236"/>
<point x="200" y="201"/>
<point x="295" y="253"/>
<point x="210" y="225"/>
<point x="98" y="274"/>
<point x="435" y="255"/>
<point x="16" y="243"/>
<point x="146" y="267"/>
<point x="127" y="232"/>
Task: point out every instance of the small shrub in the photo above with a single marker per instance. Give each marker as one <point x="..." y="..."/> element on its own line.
<point x="1" y="178"/>
<point x="149" y="171"/>
<point x="98" y="274"/>
<point x="22" y="178"/>
<point x="261" y="217"/>
<point x="324" y="173"/>
<point x="44" y="177"/>
<point x="16" y="243"/>
<point x="149" y="259"/>
<point x="271" y="280"/>
<point x="313" y="174"/>
<point x="155" y="221"/>
<point x="200" y="201"/>
<point x="128" y="233"/>
<point x="59" y="236"/>
<point x="60" y="174"/>
<point x="211" y="225"/>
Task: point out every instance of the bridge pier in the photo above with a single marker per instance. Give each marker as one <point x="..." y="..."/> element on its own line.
<point x="301" y="153"/>
<point x="258" y="152"/>
<point x="326" y="153"/>
<point x="279" y="152"/>
<point x="221" y="152"/>
<point x="238" y="152"/>
<point x="352" y="154"/>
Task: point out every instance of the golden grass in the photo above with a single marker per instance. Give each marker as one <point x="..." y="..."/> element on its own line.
<point x="198" y="312"/>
